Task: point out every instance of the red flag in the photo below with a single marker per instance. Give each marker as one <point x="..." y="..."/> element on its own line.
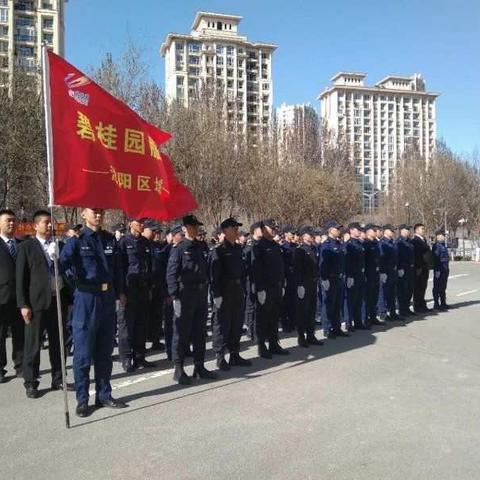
<point x="104" y="155"/>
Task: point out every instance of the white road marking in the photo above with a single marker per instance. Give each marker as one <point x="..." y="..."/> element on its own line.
<point x="461" y="294"/>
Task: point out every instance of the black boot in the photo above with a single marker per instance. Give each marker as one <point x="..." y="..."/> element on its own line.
<point x="302" y="342"/>
<point x="201" y="372"/>
<point x="263" y="351"/>
<point x="237" y="360"/>
<point x="313" y="340"/>
<point x="276" y="349"/>
<point x="180" y="376"/>
<point x="221" y="363"/>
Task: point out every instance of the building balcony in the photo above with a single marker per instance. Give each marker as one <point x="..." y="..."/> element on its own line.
<point x="25" y="38"/>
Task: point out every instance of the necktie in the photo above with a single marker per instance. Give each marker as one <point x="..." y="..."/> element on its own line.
<point x="12" y="248"/>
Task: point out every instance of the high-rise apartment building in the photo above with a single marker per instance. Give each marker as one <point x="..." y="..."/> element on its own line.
<point x="296" y="126"/>
<point x="214" y="55"/>
<point x="380" y="123"/>
<point x="24" y="26"/>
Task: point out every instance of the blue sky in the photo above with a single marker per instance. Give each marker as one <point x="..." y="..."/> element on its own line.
<point x="316" y="38"/>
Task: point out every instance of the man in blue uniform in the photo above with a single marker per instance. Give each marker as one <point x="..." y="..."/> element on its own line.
<point x="93" y="259"/>
<point x="355" y="277"/>
<point x="372" y="274"/>
<point x="136" y="262"/>
<point x="388" y="272"/>
<point x="227" y="268"/>
<point x="289" y="300"/>
<point x="332" y="275"/>
<point x="441" y="271"/>
<point x="405" y="272"/>
<point x="159" y="251"/>
<point x="268" y="272"/>
<point x="187" y="282"/>
<point x="305" y="275"/>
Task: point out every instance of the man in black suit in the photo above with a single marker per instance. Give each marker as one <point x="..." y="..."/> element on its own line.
<point x="37" y="302"/>
<point x="423" y="264"/>
<point x="9" y="313"/>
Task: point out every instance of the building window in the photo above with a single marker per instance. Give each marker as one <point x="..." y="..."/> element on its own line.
<point x="179" y="46"/>
<point x="230" y="50"/>
<point x="265" y="86"/>
<point x="219" y="25"/>
<point x="48" y="37"/>
<point x="48" y="23"/>
<point x="194" y="60"/>
<point x="194" y="47"/>
<point x="3" y="15"/>
<point x="219" y="60"/>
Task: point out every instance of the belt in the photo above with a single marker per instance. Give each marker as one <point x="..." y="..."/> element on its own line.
<point x="93" y="287"/>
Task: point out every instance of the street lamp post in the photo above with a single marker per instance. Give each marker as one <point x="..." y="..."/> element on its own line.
<point x="462" y="222"/>
<point x="407" y="206"/>
<point x="371" y="197"/>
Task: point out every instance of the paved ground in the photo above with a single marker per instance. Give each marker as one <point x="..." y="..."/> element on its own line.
<point x="401" y="402"/>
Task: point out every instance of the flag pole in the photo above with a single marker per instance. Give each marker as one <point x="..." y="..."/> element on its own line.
<point x="49" y="143"/>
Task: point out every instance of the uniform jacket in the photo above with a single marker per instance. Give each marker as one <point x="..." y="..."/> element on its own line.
<point x="136" y="260"/>
<point x="187" y="266"/>
<point x="305" y="265"/>
<point x="332" y="259"/>
<point x="406" y="254"/>
<point x="372" y="257"/>
<point x="388" y="256"/>
<point x="227" y="264"/>
<point x="268" y="268"/>
<point x="441" y="258"/>
<point x="423" y="254"/>
<point x="354" y="258"/>
<point x="93" y="259"/>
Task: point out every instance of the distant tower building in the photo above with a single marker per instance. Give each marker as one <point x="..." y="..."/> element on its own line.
<point x="215" y="55"/>
<point x="24" y="26"/>
<point x="380" y="123"/>
<point x="297" y="125"/>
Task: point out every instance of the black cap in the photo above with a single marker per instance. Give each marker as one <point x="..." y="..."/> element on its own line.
<point x="319" y="231"/>
<point x="344" y="231"/>
<point x="73" y="226"/>
<point x="230" y="222"/>
<point x="370" y="226"/>
<point x="137" y="219"/>
<point x="243" y="233"/>
<point x="119" y="227"/>
<point x="176" y="229"/>
<point x="306" y="229"/>
<point x="353" y="225"/>
<point x="191" y="220"/>
<point x="269" y="222"/>
<point x="362" y="228"/>
<point x="332" y="224"/>
<point x="404" y="226"/>
<point x="255" y="225"/>
<point x="149" y="223"/>
<point x="388" y="227"/>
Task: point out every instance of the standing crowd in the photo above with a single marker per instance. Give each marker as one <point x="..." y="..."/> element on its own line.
<point x="141" y="283"/>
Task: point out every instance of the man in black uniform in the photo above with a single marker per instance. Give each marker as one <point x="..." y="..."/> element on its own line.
<point x="187" y="281"/>
<point x="290" y="299"/>
<point x="423" y="263"/>
<point x="136" y="262"/>
<point x="306" y="273"/>
<point x="227" y="268"/>
<point x="250" y="300"/>
<point x="372" y="275"/>
<point x="159" y="253"/>
<point x="405" y="271"/>
<point x="268" y="272"/>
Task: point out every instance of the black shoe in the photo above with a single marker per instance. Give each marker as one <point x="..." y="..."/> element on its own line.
<point x="141" y="362"/>
<point x="110" y="403"/>
<point x="376" y="321"/>
<point x="436" y="306"/>
<point x="444" y="307"/>
<point x="180" y="376"/>
<point x="395" y="317"/>
<point x="276" y="349"/>
<point x="82" y="410"/>
<point x="31" y="392"/>
<point x="302" y="341"/>
<point x="313" y="340"/>
<point x="237" y="361"/>
<point x="127" y="366"/>
<point x="59" y="386"/>
<point x="222" y="363"/>
<point x="341" y="333"/>
<point x="3" y="379"/>
<point x="331" y="336"/>
<point x="201" y="372"/>
<point x="19" y="373"/>
<point x="389" y="318"/>
<point x="264" y="352"/>
<point x="157" y="347"/>
<point x="189" y="353"/>
<point x="350" y="329"/>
